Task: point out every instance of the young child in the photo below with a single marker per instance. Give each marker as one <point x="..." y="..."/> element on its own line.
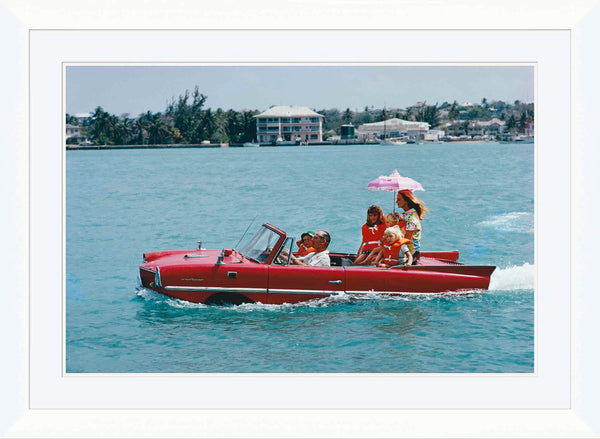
<point x="395" y="250"/>
<point x="305" y="244"/>
<point x="391" y="219"/>
<point x="372" y="232"/>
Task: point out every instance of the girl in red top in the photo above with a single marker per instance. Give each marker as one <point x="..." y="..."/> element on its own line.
<point x="372" y="232"/>
<point x="395" y="250"/>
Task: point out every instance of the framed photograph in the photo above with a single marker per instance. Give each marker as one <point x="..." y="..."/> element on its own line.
<point x="93" y="344"/>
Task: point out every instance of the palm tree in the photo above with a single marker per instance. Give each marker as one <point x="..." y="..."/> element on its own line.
<point x="143" y="126"/>
<point x="382" y="116"/>
<point x="248" y="126"/>
<point x="156" y="127"/>
<point x="103" y="126"/>
<point x="511" y="123"/>
<point x="71" y="120"/>
<point x="207" y="125"/>
<point x="232" y="126"/>
<point x="429" y="114"/>
<point x="523" y="122"/>
<point x="124" y="131"/>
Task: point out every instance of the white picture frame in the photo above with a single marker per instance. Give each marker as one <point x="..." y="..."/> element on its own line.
<point x="558" y="417"/>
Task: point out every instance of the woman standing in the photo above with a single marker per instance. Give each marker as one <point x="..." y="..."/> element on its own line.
<point x="414" y="211"/>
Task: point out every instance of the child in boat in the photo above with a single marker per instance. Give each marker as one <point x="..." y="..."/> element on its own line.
<point x="305" y="244"/>
<point x="391" y="219"/>
<point x="395" y="250"/>
<point x="372" y="232"/>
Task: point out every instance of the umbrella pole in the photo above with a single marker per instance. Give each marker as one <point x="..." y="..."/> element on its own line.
<point x="394" y="207"/>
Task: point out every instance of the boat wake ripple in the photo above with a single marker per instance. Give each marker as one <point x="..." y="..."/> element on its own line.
<point x="519" y="222"/>
<point x="335" y="300"/>
<point x="521" y="277"/>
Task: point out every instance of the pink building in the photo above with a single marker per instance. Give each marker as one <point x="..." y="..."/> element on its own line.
<point x="289" y="124"/>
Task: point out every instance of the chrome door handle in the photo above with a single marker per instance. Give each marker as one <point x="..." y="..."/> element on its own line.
<point x="334" y="281"/>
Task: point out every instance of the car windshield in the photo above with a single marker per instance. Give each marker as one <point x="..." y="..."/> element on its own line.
<point x="260" y="246"/>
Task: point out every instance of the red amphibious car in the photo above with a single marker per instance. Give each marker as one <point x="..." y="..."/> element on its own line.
<point x="258" y="273"/>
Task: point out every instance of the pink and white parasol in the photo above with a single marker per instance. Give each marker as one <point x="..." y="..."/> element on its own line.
<point x="394" y="182"/>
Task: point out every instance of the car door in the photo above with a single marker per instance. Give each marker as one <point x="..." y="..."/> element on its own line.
<point x="297" y="283"/>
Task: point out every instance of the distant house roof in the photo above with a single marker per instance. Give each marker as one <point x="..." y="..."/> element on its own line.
<point x="286" y="111"/>
<point x="72" y="126"/>
<point x="83" y="115"/>
<point x="490" y="122"/>
<point x="394" y="123"/>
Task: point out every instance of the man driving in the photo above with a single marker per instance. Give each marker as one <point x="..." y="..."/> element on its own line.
<point x="320" y="257"/>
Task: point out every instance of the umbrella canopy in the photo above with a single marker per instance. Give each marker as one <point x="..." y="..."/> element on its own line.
<point x="394" y="182"/>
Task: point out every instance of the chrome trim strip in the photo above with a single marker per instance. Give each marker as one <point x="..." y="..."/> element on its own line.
<point x="216" y="289"/>
<point x="195" y="256"/>
<point x="195" y="280"/>
<point x="282" y="291"/>
<point x="313" y="292"/>
<point x="145" y="269"/>
<point x="250" y="290"/>
<point x="387" y="292"/>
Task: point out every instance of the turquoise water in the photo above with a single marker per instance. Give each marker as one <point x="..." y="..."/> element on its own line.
<point x="120" y="204"/>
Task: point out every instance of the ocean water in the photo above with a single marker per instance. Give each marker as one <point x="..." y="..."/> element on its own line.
<point x="122" y="203"/>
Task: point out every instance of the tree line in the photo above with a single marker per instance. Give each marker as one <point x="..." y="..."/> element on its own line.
<point x="186" y="121"/>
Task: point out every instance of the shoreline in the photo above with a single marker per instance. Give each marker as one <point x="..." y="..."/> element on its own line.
<point x="224" y="146"/>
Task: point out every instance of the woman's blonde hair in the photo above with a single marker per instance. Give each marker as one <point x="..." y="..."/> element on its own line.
<point x="394" y="230"/>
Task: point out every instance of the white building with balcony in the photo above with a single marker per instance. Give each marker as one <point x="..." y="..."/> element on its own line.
<point x="289" y="124"/>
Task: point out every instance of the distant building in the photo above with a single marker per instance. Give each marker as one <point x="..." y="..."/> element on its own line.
<point x="72" y="131"/>
<point x="490" y="128"/>
<point x="433" y="135"/>
<point x="392" y="128"/>
<point x="289" y="124"/>
<point x="347" y="132"/>
<point x="476" y="128"/>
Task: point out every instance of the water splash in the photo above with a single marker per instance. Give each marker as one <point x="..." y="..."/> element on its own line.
<point x="520" y="222"/>
<point x="333" y="300"/>
<point x="153" y="296"/>
<point x="149" y="295"/>
<point x="520" y="277"/>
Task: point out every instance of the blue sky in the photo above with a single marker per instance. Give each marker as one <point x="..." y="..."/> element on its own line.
<point x="137" y="89"/>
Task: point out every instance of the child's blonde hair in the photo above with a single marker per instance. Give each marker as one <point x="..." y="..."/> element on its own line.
<point x="395" y="231"/>
<point x="393" y="217"/>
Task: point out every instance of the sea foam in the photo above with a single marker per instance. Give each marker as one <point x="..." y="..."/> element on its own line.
<point x="521" y="277"/>
<point x="520" y="222"/>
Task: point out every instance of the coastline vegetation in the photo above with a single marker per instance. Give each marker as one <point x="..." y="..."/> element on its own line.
<point x="185" y="120"/>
